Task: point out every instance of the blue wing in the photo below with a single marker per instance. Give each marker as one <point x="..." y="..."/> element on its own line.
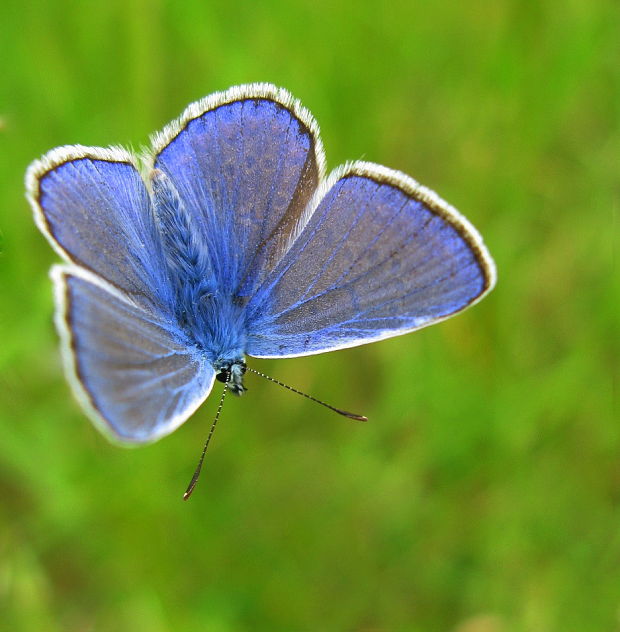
<point x="377" y="256"/>
<point x="94" y="208"/>
<point x="245" y="162"/>
<point x="132" y="371"/>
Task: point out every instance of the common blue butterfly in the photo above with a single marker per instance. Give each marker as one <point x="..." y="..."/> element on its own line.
<point x="227" y="239"/>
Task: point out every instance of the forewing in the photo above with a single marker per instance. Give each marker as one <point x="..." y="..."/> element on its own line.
<point x="132" y="371"/>
<point x="94" y="208"/>
<point x="246" y="162"/>
<point x="380" y="256"/>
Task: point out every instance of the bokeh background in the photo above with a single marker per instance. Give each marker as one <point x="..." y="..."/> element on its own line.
<point x="483" y="495"/>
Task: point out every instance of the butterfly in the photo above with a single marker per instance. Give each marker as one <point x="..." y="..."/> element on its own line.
<point x="227" y="239"/>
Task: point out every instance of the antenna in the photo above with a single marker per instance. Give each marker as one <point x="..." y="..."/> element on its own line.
<point x="192" y="484"/>
<point x="344" y="413"/>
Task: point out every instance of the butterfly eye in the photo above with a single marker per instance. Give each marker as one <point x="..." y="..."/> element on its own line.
<point x="223" y="375"/>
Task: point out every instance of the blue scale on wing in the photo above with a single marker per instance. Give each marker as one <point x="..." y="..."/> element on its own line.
<point x="245" y="171"/>
<point x="372" y="261"/>
<point x="98" y="212"/>
<point x="137" y="370"/>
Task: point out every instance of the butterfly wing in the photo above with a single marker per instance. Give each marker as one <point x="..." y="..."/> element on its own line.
<point x="95" y="210"/>
<point x="132" y="370"/>
<point x="378" y="256"/>
<point x="245" y="162"/>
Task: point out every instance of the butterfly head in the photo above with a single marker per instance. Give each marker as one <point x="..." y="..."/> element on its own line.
<point x="231" y="372"/>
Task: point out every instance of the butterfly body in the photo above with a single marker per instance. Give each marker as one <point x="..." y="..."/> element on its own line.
<point x="206" y="310"/>
<point x="228" y="240"/>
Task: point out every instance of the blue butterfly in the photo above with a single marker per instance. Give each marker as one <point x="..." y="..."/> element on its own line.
<point x="227" y="239"/>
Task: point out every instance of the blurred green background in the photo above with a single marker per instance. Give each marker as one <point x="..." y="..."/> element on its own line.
<point x="484" y="494"/>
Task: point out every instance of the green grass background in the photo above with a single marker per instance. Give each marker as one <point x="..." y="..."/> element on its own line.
<point x="484" y="494"/>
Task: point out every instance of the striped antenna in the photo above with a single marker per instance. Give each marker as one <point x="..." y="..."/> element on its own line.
<point x="192" y="484"/>
<point x="344" y="413"/>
